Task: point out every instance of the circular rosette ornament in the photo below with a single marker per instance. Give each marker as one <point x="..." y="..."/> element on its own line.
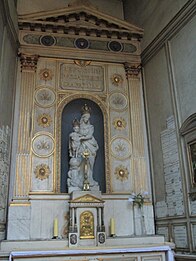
<point x="44" y="120"/>
<point x="119" y="124"/>
<point x="42" y="171"/>
<point x="121" y="173"/>
<point x="46" y="74"/>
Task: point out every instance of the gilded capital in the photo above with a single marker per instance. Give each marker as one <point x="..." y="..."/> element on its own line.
<point x="28" y="62"/>
<point x="132" y="70"/>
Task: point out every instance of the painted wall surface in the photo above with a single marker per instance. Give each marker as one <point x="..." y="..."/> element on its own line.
<point x="169" y="77"/>
<point x="184" y="62"/>
<point x="7" y="90"/>
<point x="159" y="109"/>
<point x="112" y="7"/>
<point x="152" y="15"/>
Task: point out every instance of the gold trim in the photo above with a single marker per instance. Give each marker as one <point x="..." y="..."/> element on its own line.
<point x="87" y="237"/>
<point x="20" y="204"/>
<point x="87" y="198"/>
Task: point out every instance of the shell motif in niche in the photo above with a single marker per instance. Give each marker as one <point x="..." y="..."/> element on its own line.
<point x="44" y="120"/>
<point x="42" y="171"/>
<point x="46" y="74"/>
<point x="119" y="123"/>
<point x="117" y="79"/>
<point x="121" y="173"/>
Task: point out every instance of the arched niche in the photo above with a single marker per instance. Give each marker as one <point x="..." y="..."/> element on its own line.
<point x="71" y="111"/>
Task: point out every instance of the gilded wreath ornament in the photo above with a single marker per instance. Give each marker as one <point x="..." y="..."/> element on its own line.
<point x="121" y="173"/>
<point x="119" y="123"/>
<point x="42" y="171"/>
<point x="46" y="74"/>
<point x="117" y="79"/>
<point x="44" y="120"/>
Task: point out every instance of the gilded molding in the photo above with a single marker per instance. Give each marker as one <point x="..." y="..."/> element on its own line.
<point x="132" y="70"/>
<point x="28" y="62"/>
<point x="82" y="63"/>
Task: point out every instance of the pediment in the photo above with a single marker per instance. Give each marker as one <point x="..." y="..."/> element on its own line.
<point x="88" y="198"/>
<point x="79" y="19"/>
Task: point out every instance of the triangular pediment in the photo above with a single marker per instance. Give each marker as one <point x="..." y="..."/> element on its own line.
<point x="88" y="198"/>
<point x="79" y="18"/>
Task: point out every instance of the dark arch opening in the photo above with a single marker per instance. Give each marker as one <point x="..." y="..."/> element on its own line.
<point x="71" y="111"/>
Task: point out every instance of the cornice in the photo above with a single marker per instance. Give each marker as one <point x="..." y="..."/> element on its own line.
<point x="78" y="20"/>
<point x="172" y="28"/>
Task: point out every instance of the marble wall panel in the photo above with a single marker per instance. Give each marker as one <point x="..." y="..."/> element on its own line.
<point x="46" y="73"/>
<point x="19" y="222"/>
<point x="121" y="176"/>
<point x="143" y="220"/>
<point x="122" y="212"/>
<point x="42" y="218"/>
<point x="120" y="123"/>
<point x="163" y="230"/>
<point x="116" y="78"/>
<point x="44" y="120"/>
<point x="42" y="174"/>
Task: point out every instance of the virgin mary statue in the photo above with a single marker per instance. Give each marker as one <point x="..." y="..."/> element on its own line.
<point x="86" y="142"/>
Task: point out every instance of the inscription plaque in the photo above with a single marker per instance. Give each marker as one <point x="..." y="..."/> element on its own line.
<point x="180" y="234"/>
<point x="89" y="78"/>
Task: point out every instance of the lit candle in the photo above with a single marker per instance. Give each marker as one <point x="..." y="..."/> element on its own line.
<point x="56" y="228"/>
<point x="112" y="226"/>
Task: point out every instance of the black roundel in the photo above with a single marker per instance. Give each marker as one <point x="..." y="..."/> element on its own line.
<point x="115" y="46"/>
<point x="47" y="40"/>
<point x="81" y="43"/>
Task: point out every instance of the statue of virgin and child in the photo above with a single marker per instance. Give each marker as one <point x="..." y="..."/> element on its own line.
<point x="81" y="143"/>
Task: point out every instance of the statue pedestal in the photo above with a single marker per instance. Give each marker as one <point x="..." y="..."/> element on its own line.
<point x="92" y="189"/>
<point x="86" y="219"/>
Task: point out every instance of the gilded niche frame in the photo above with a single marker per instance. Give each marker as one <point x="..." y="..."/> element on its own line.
<point x="63" y="100"/>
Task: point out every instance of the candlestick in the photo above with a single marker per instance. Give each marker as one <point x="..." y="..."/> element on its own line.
<point x="112" y="227"/>
<point x="55" y="232"/>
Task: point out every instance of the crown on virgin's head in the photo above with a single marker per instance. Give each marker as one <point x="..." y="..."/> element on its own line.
<point x="75" y="122"/>
<point x="86" y="109"/>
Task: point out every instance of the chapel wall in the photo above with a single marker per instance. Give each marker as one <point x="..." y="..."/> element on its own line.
<point x="169" y="62"/>
<point x="8" y="64"/>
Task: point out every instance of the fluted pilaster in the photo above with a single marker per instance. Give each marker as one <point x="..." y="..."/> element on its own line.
<point x="138" y="127"/>
<point x="28" y="69"/>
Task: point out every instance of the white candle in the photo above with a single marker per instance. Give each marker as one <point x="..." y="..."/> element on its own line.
<point x="112" y="226"/>
<point x="56" y="227"/>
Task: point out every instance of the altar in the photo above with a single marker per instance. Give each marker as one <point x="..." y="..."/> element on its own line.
<point x="82" y="176"/>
